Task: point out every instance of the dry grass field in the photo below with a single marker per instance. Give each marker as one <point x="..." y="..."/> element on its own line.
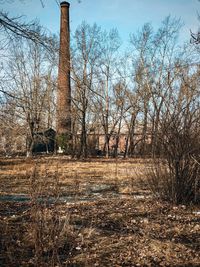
<point x="62" y="212"/>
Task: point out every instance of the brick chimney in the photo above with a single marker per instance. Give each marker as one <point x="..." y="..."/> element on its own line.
<point x="64" y="87"/>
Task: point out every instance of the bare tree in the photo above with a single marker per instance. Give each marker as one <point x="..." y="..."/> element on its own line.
<point x="108" y="70"/>
<point x="87" y="51"/>
<point x="30" y="83"/>
<point x="154" y="57"/>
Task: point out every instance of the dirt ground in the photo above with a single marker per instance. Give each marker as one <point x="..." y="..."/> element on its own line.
<point x="62" y="212"/>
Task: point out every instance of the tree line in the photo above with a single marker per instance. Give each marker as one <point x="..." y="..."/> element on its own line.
<point x="142" y="91"/>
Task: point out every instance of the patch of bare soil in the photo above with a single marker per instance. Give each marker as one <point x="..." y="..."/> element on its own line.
<point x="110" y="220"/>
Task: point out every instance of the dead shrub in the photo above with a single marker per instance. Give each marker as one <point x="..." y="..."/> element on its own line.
<point x="50" y="233"/>
<point x="39" y="234"/>
<point x="175" y="175"/>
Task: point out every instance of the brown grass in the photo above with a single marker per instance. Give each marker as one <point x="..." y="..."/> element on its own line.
<point x="110" y="220"/>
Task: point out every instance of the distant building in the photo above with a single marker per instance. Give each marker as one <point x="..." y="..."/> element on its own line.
<point x="44" y="141"/>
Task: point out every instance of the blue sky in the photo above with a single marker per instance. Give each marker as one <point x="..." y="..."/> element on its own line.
<point x="126" y="15"/>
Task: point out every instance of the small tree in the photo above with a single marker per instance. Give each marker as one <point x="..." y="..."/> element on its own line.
<point x="176" y="175"/>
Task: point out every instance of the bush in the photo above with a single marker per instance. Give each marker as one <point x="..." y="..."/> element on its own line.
<point x="175" y="176"/>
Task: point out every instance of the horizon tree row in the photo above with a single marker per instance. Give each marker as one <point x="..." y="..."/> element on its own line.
<point x="117" y="93"/>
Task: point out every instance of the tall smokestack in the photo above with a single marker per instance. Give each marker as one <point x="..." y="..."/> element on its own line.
<point x="64" y="87"/>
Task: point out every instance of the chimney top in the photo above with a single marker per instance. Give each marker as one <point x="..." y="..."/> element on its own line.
<point x="64" y="3"/>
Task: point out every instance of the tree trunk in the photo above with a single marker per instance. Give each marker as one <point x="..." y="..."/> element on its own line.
<point x="83" y="152"/>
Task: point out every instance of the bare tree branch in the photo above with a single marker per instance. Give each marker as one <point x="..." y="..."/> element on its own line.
<point x="32" y="30"/>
